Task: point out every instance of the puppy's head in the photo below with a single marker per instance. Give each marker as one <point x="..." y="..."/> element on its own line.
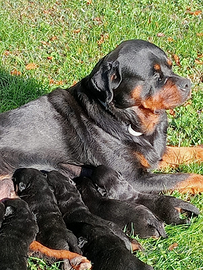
<point x="138" y="73"/>
<point x="13" y="207"/>
<point x="24" y="178"/>
<point x="18" y="217"/>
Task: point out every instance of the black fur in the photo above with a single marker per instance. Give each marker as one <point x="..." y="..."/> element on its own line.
<point x="137" y="218"/>
<point x="115" y="117"/>
<point x="104" y="243"/>
<point x="31" y="185"/>
<point x="87" y="125"/>
<point x="110" y="184"/>
<point x="17" y="231"/>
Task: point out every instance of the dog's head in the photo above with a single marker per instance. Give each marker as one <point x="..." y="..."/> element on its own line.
<point x="138" y="73"/>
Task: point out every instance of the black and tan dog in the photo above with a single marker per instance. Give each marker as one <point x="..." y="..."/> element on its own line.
<point x="18" y="229"/>
<point x="31" y="185"/>
<point x="116" y="116"/>
<point x="104" y="243"/>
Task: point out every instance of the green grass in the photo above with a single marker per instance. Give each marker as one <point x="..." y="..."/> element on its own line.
<point x="65" y="39"/>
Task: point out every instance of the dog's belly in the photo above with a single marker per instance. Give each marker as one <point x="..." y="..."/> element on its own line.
<point x="32" y="126"/>
<point x="36" y="135"/>
<point x="31" y="135"/>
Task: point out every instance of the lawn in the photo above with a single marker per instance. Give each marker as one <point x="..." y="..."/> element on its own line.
<point x="46" y="44"/>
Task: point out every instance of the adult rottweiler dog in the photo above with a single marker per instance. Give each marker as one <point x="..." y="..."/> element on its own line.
<point x="116" y="116"/>
<point x="103" y="242"/>
<point x="18" y="229"/>
<point x="31" y="185"/>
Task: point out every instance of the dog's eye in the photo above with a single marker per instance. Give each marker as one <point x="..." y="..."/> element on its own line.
<point x="159" y="76"/>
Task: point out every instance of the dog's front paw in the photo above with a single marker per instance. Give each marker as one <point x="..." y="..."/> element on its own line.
<point x="169" y="209"/>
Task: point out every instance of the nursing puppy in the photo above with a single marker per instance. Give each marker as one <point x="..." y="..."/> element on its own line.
<point x="101" y="245"/>
<point x="32" y="186"/>
<point x="110" y="184"/>
<point x="18" y="229"/>
<point x="108" y="252"/>
<point x="136" y="218"/>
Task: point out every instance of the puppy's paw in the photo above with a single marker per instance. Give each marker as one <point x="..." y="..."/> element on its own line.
<point x="146" y="224"/>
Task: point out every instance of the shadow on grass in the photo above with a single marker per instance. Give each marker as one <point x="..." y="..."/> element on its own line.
<point x="17" y="90"/>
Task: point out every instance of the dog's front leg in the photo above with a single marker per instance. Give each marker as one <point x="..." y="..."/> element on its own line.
<point x="176" y="156"/>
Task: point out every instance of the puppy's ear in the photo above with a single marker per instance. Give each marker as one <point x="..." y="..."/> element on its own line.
<point x="107" y="78"/>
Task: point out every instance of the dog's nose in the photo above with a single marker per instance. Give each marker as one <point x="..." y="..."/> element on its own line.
<point x="184" y="84"/>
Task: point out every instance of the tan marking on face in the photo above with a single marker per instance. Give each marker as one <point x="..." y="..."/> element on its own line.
<point x="178" y="209"/>
<point x="113" y="77"/>
<point x="136" y="94"/>
<point x="167" y="98"/>
<point x="157" y="67"/>
<point x="169" y="62"/>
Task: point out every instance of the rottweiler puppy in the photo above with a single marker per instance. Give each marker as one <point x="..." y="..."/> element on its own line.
<point x="110" y="184"/>
<point x="101" y="242"/>
<point x="136" y="218"/>
<point x="32" y="186"/>
<point x="108" y="252"/>
<point x="18" y="229"/>
<point x="73" y="208"/>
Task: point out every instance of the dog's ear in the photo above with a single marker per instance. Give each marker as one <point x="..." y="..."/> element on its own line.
<point x="107" y="78"/>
